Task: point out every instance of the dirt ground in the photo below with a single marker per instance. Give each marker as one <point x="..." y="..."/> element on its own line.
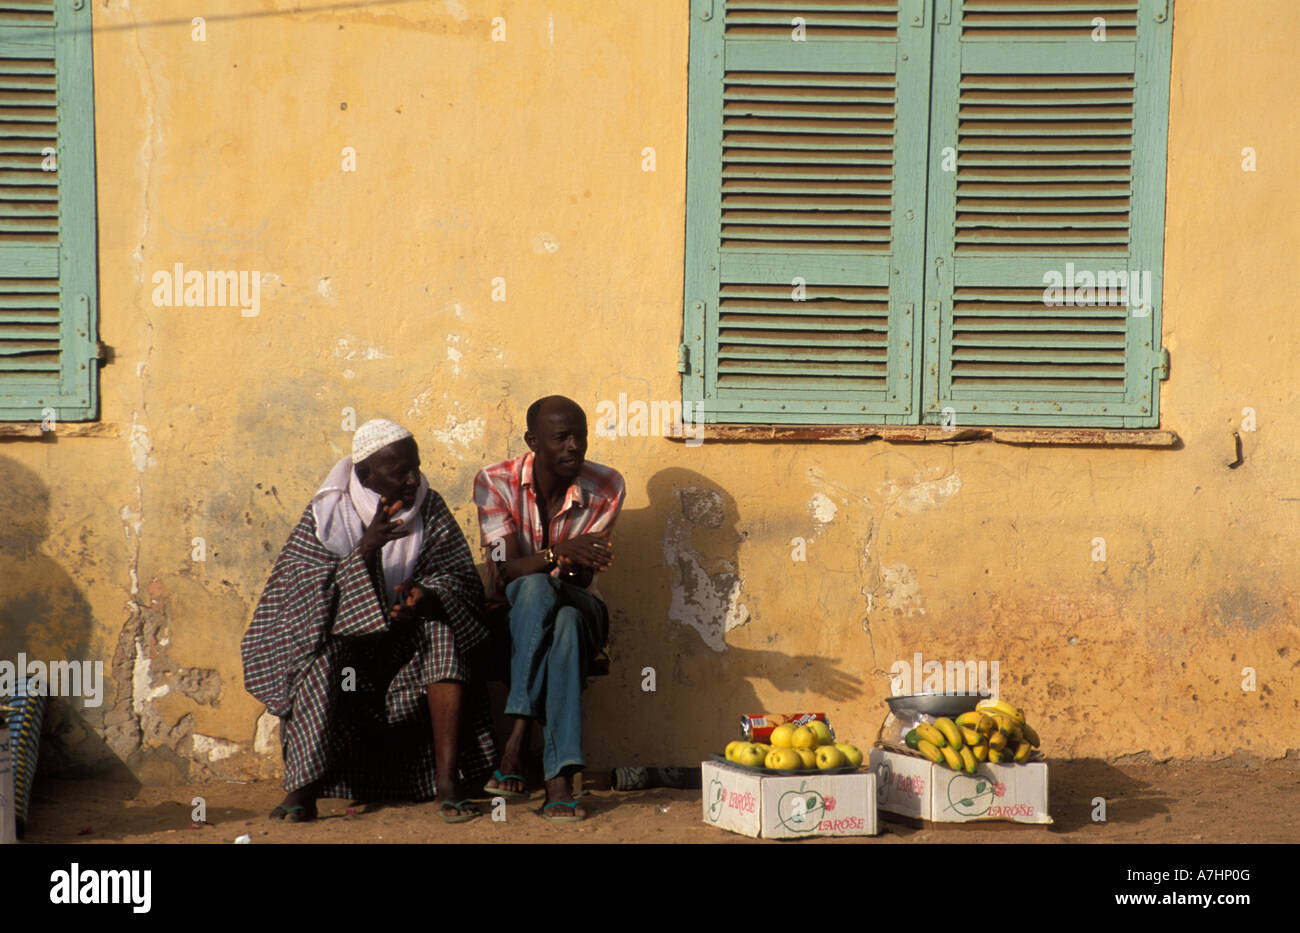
<point x="1218" y="802"/>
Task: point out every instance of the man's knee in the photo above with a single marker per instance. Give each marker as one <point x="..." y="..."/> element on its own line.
<point x="534" y="588"/>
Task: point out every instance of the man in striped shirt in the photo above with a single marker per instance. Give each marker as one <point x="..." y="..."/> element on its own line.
<point x="545" y="519"/>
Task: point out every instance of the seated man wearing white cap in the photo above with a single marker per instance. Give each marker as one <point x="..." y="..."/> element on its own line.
<point x="363" y="640"/>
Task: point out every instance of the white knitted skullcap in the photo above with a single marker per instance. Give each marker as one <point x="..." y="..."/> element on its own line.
<point x="374" y="435"/>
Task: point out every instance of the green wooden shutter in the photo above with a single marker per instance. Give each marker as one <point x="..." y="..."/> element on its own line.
<point x="1060" y="164"/>
<point x="47" y="218"/>
<point x="805" y="163"/>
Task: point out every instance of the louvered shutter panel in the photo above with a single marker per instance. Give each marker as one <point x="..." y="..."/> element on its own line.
<point x="805" y="209"/>
<point x="1059" y="139"/>
<point x="47" y="219"/>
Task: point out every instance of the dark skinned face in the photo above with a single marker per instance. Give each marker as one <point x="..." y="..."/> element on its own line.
<point x="393" y="471"/>
<point x="560" y="441"/>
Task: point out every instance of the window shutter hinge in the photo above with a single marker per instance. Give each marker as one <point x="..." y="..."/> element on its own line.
<point x="103" y="353"/>
<point x="705" y="9"/>
<point x="1161" y="11"/>
<point x="916" y="13"/>
<point x="943" y="12"/>
<point x="683" y="358"/>
<point x="1160" y="363"/>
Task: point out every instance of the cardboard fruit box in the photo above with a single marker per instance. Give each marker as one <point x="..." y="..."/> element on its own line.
<point x="794" y="807"/>
<point x="911" y="787"/>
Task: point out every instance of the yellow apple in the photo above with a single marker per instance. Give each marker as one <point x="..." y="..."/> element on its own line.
<point x="808" y="756"/>
<point x="828" y="756"/>
<point x="784" y="759"/>
<point x="732" y="748"/>
<point x="852" y="753"/>
<point x="804" y="738"/>
<point x="749" y="755"/>
<point x="822" y="731"/>
<point x="781" y="736"/>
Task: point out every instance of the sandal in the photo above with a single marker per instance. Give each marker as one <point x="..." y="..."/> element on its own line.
<point x="500" y="791"/>
<point x="458" y="811"/>
<point x="300" y="814"/>
<point x="573" y="812"/>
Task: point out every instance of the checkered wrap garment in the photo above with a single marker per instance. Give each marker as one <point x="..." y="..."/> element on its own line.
<point x="320" y="615"/>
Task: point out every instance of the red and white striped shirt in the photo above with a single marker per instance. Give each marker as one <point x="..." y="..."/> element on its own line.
<point x="507" y="505"/>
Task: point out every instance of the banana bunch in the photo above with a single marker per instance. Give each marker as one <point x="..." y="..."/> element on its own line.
<point x="995" y="731"/>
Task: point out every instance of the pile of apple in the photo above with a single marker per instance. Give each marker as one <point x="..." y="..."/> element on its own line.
<point x="796" y="748"/>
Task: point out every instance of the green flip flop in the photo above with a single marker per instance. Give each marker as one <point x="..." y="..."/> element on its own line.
<point x="500" y="791"/>
<point x="449" y="814"/>
<point x="573" y="812"/>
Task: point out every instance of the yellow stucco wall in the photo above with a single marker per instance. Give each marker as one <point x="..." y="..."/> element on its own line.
<point x="522" y="161"/>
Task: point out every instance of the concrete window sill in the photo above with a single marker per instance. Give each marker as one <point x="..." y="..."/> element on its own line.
<point x="926" y="433"/>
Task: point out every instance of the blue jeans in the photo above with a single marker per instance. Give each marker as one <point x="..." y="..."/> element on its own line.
<point x="555" y="629"/>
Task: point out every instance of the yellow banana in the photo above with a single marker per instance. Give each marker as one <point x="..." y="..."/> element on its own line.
<point x="952" y="759"/>
<point x="971" y="736"/>
<point x="1022" y="752"/>
<point x="968" y="760"/>
<point x="1009" y="726"/>
<point x="1000" y="706"/>
<point x="1031" y="735"/>
<point x="981" y="751"/>
<point x="985" y="725"/>
<point x="997" y="756"/>
<point x="950" y="731"/>
<point x="931" y="735"/>
<point x="997" y="742"/>
<point x="929" y="750"/>
<point x="971" y="719"/>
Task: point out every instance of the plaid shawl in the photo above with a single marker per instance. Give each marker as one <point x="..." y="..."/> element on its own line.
<point x="349" y="688"/>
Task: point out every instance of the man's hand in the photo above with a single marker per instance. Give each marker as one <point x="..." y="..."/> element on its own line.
<point x="590" y="552"/>
<point x="572" y="573"/>
<point x="382" y="530"/>
<point x="414" y="602"/>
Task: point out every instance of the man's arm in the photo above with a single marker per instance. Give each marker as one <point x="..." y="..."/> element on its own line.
<point x="504" y="552"/>
<point x="579" y="559"/>
<point x="581" y="573"/>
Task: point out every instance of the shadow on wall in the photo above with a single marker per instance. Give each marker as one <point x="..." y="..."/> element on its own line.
<point x="674" y="592"/>
<point x="44" y="616"/>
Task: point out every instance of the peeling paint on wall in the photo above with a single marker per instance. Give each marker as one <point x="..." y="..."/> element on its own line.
<point x="708" y="603"/>
<point x="143" y="688"/>
<point x="822" y="508"/>
<point x="922" y="494"/>
<point x="349" y="347"/>
<point x="459" y="433"/>
<point x="899" y="590"/>
<point x="210" y="749"/>
<point x="453" y="353"/>
<point x="266" y="741"/>
<point x="140" y="446"/>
